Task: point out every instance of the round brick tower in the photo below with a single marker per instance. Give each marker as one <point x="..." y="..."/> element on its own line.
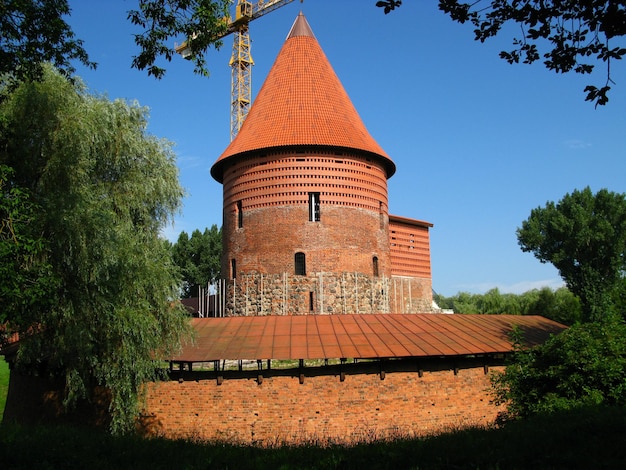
<point x="305" y="185"/>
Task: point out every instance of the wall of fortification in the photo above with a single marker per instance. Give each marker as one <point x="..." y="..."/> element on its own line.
<point x="291" y="408"/>
<point x="410" y="294"/>
<point x="341" y="403"/>
<point x="33" y="400"/>
<point x="286" y="294"/>
<point x="321" y="293"/>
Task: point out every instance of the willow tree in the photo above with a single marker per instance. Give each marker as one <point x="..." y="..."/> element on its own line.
<point x="99" y="190"/>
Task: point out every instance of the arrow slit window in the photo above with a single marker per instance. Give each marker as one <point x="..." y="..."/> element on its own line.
<point x="239" y="214"/>
<point x="314" y="207"/>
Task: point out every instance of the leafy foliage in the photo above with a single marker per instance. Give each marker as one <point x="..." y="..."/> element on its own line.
<point x="33" y="32"/>
<point x="99" y="189"/>
<point x="198" y="258"/>
<point x="388" y="5"/>
<point x="25" y="276"/>
<point x="584" y="237"/>
<point x="559" y="305"/>
<point x="575" y="33"/>
<point x="200" y="23"/>
<point x="583" y="366"/>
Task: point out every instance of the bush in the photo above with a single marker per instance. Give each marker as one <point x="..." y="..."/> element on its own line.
<point x="583" y="366"/>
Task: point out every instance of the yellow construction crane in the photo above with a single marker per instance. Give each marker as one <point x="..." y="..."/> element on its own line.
<point x="241" y="61"/>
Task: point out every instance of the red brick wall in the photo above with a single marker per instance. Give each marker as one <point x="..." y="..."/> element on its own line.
<point x="410" y="247"/>
<point x="281" y="409"/>
<point x="269" y="194"/>
<point x="410" y="294"/>
<point x="33" y="400"/>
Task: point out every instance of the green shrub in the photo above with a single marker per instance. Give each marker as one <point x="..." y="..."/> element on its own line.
<point x="583" y="366"/>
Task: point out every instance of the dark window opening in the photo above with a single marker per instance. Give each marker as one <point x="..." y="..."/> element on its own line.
<point x="311" y="301"/>
<point x="300" y="264"/>
<point x="314" y="207"/>
<point x="239" y="215"/>
<point x="375" y="265"/>
<point x="233" y="268"/>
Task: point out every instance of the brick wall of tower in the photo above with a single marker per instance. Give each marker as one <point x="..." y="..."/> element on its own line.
<point x="409" y="247"/>
<point x="411" y="284"/>
<point x="267" y="212"/>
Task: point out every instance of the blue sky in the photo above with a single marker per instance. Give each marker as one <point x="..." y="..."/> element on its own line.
<point x="478" y="143"/>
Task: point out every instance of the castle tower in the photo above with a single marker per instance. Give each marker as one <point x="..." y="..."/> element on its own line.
<point x="305" y="195"/>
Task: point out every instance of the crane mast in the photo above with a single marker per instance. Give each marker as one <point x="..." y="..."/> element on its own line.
<point x="241" y="59"/>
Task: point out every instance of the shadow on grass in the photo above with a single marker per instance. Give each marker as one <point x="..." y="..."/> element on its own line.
<point x="589" y="438"/>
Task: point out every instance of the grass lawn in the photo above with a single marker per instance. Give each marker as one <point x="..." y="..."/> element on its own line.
<point x="4" y="384"/>
<point x="586" y="439"/>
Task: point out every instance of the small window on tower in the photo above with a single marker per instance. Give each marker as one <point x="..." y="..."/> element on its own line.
<point x="239" y="215"/>
<point x="314" y="207"/>
<point x="300" y="264"/>
<point x="233" y="268"/>
<point x="375" y="265"/>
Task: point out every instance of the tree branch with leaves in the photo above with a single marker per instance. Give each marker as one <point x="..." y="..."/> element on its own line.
<point x="573" y="35"/>
<point x="34" y="32"/>
<point x="199" y="22"/>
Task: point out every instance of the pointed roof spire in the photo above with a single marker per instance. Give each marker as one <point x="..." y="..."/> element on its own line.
<point x="300" y="27"/>
<point x="302" y="103"/>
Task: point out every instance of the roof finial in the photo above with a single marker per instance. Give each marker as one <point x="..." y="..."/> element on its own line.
<point x="300" y="27"/>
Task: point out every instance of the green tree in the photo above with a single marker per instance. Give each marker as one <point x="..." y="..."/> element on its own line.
<point x="584" y="237"/>
<point x="462" y="302"/>
<point x="100" y="190"/>
<point x="198" y="258"/>
<point x="33" y="32"/>
<point x="559" y="305"/>
<point x="574" y="32"/>
<point x="493" y="302"/>
<point x="582" y="366"/>
<point x="619" y="298"/>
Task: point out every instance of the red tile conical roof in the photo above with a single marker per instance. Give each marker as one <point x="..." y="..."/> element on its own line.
<point x="302" y="103"/>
